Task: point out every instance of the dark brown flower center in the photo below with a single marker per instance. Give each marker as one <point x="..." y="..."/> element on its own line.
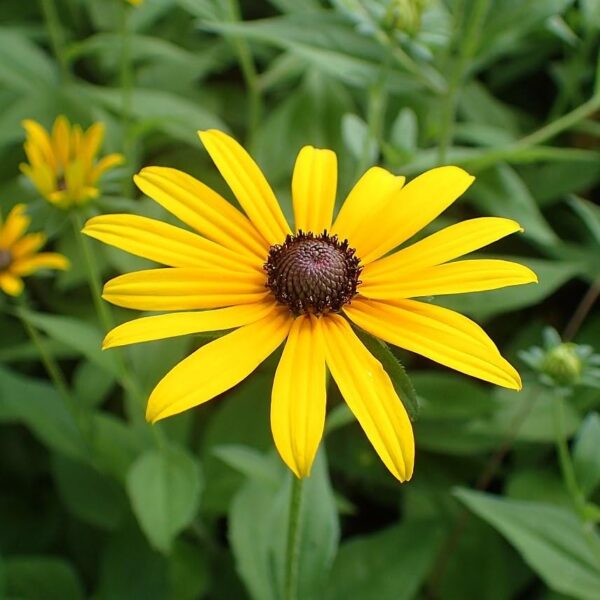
<point x="5" y="259"/>
<point x="313" y="273"/>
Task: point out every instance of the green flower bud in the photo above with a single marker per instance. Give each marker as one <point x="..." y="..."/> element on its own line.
<point x="405" y="15"/>
<point x="563" y="364"/>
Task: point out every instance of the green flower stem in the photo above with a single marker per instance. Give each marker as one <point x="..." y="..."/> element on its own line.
<point x="469" y="40"/>
<point x="564" y="456"/>
<point x="293" y="540"/>
<point x="250" y="76"/>
<point x="375" y="116"/>
<point x="586" y="512"/>
<point x="128" y="382"/>
<point x="77" y="411"/>
<point x="126" y="82"/>
<point x="56" y="36"/>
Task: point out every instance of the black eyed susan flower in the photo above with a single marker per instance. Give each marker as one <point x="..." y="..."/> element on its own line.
<point x="19" y="256"/>
<point x="62" y="164"/>
<point x="253" y="274"/>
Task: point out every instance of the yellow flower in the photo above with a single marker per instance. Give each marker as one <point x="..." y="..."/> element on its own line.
<point x="62" y="165"/>
<point x="252" y="273"/>
<point x="135" y="2"/>
<point x="19" y="256"/>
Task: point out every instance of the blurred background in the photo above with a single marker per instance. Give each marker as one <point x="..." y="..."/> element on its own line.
<point x="503" y="502"/>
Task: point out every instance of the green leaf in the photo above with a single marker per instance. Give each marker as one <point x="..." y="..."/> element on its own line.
<point x="402" y="383"/>
<point x="23" y="66"/>
<point x="164" y="489"/>
<point x="241" y="417"/>
<point x="129" y="568"/>
<point x="89" y="495"/>
<point x="356" y="137"/>
<point x="586" y="454"/>
<point x="76" y="334"/>
<point x="188" y="572"/>
<point x="333" y="47"/>
<point x="373" y="567"/>
<point x="41" y="578"/>
<point x="550" y="539"/>
<point x="246" y="460"/>
<point x="469" y="398"/>
<point x="404" y="133"/>
<point x="258" y="532"/>
<point x="157" y="109"/>
<point x="36" y="404"/>
<point x="502" y="193"/>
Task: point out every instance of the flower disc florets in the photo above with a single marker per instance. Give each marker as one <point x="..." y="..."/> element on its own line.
<point x="5" y="259"/>
<point x="313" y="273"/>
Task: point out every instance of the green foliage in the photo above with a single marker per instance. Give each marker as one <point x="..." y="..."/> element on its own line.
<point x="96" y="503"/>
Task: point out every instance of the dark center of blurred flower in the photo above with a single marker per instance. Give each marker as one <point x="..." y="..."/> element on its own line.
<point x="5" y="259"/>
<point x="313" y="273"/>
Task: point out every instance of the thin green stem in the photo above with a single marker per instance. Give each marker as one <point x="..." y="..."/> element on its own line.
<point x="564" y="456"/>
<point x="56" y="36"/>
<point x="250" y="75"/>
<point x="467" y="48"/>
<point x="561" y="124"/>
<point x="293" y="541"/>
<point x="75" y="409"/>
<point x="92" y="272"/>
<point x="375" y="117"/>
<point x="128" y="382"/>
<point x="126" y="82"/>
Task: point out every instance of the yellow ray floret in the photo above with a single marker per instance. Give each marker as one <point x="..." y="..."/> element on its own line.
<point x="62" y="163"/>
<point x="19" y="256"/>
<point x="247" y="270"/>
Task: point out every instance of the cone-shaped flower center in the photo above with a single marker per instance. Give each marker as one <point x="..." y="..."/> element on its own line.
<point x="5" y="259"/>
<point x="313" y="273"/>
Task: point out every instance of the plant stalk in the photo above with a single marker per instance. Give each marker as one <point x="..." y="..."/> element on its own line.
<point x="293" y="541"/>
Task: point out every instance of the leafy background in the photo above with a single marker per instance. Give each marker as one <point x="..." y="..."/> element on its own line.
<point x="197" y="507"/>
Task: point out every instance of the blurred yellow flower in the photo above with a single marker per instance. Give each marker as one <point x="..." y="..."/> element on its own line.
<point x="19" y="256"/>
<point x="252" y="273"/>
<point x="135" y="2"/>
<point x="62" y="164"/>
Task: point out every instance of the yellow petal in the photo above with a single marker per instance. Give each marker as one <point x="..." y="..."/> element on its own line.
<point x="247" y="182"/>
<point x="160" y="327"/>
<point x="42" y="176"/>
<point x="299" y="396"/>
<point x="34" y="154"/>
<point x="27" y="245"/>
<point x="110" y="161"/>
<point x="368" y="391"/>
<point x="449" y="243"/>
<point x="203" y="209"/>
<point x="218" y="366"/>
<point x="61" y="141"/>
<point x="314" y="187"/>
<point x="450" y="278"/>
<point x="38" y="136"/>
<point x="439" y="334"/>
<point x="372" y="191"/>
<point x="44" y="260"/>
<point x="10" y="284"/>
<point x="416" y="205"/>
<point x="162" y="243"/>
<point x="184" y="288"/>
<point x="91" y="142"/>
<point x="15" y="225"/>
